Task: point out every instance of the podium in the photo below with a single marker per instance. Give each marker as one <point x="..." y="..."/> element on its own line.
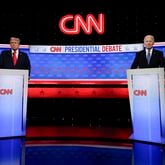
<point x="13" y="102"/>
<point x="147" y="104"/>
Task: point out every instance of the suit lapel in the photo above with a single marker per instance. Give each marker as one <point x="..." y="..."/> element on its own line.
<point x="144" y="57"/>
<point x="152" y="55"/>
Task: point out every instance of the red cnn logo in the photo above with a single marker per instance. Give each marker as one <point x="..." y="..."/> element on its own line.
<point x="140" y="92"/>
<point x="79" y="22"/>
<point x="6" y="91"/>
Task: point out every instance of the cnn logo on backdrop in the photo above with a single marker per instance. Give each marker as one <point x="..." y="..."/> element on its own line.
<point x="79" y="23"/>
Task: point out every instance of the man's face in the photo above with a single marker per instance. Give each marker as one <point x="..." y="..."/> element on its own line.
<point x="14" y="43"/>
<point x="148" y="41"/>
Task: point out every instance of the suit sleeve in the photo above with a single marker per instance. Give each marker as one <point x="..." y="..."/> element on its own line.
<point x="135" y="63"/>
<point x="162" y="60"/>
<point x="0" y="61"/>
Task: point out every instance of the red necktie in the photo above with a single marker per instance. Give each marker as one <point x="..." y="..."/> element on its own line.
<point x="14" y="57"/>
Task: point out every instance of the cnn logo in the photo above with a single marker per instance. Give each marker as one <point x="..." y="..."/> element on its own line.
<point x="6" y="91"/>
<point x="139" y="92"/>
<point x="79" y="23"/>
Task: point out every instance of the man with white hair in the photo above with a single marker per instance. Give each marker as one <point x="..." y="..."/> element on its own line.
<point x="149" y="57"/>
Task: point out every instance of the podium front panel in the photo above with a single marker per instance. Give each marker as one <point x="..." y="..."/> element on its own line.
<point x="146" y="107"/>
<point x="13" y="102"/>
<point x="146" y="94"/>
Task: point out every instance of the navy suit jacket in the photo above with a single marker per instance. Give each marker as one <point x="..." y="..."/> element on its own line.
<point x="157" y="60"/>
<point x="6" y="62"/>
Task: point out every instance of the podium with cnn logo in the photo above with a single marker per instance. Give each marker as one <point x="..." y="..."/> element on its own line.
<point x="147" y="103"/>
<point x="13" y="102"/>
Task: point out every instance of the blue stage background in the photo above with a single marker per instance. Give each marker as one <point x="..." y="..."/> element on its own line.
<point x="102" y="65"/>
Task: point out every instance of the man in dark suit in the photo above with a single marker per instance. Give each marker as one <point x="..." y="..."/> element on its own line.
<point x="22" y="60"/>
<point x="149" y="57"/>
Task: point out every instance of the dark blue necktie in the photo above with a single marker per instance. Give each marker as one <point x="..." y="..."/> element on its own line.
<point x="148" y="56"/>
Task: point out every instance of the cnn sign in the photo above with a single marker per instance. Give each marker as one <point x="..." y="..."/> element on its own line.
<point x="6" y="91"/>
<point x="140" y="92"/>
<point x="79" y="23"/>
